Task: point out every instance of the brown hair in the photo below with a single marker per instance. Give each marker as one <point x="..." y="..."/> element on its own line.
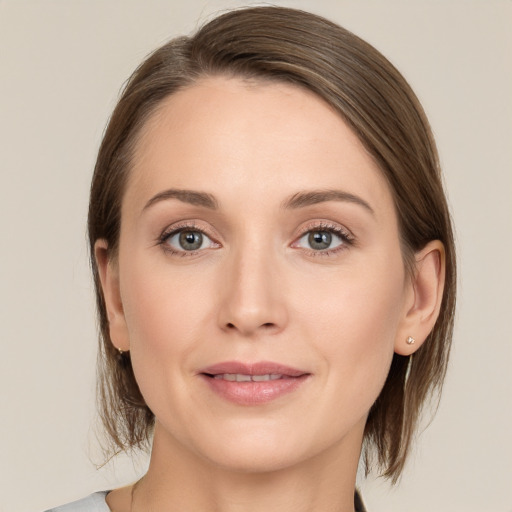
<point x="281" y="44"/>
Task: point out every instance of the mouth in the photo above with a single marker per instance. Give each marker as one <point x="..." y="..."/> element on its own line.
<point x="241" y="377"/>
<point x="252" y="384"/>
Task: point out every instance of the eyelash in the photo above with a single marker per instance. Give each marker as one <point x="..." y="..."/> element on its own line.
<point x="347" y="239"/>
<point x="174" y="230"/>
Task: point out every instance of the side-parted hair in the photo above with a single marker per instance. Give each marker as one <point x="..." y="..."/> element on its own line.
<point x="286" y="45"/>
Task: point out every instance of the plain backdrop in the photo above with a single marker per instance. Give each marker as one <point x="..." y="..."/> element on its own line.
<point x="62" y="64"/>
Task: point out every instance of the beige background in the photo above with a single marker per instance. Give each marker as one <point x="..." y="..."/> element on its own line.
<point x="62" y="63"/>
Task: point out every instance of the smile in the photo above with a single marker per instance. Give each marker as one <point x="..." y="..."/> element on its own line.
<point x="252" y="384"/>
<point x="240" y="377"/>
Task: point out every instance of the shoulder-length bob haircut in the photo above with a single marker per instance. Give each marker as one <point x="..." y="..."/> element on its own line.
<point x="292" y="46"/>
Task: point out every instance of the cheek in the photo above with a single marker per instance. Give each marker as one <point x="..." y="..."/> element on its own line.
<point x="361" y="306"/>
<point x="165" y="312"/>
<point x="353" y="327"/>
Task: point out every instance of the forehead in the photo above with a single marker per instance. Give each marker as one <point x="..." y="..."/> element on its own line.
<point x="229" y="136"/>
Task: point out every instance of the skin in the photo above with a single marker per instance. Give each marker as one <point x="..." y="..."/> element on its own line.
<point x="257" y="290"/>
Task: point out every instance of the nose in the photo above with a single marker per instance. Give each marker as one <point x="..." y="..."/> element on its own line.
<point x="253" y="296"/>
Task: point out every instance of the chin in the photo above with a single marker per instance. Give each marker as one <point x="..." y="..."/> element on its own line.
<point x="259" y="449"/>
<point x="256" y="459"/>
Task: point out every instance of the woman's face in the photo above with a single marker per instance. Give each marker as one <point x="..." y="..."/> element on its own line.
<point x="260" y="285"/>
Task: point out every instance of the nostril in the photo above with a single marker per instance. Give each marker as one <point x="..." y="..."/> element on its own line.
<point x="267" y="325"/>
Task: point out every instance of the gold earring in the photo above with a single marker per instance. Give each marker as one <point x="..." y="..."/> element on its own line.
<point x="121" y="356"/>
<point x="410" y="340"/>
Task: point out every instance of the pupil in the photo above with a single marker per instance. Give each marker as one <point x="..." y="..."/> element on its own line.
<point x="320" y="240"/>
<point x="191" y="240"/>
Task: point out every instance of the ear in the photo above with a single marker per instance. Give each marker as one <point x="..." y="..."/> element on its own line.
<point x="424" y="298"/>
<point x="109" y="276"/>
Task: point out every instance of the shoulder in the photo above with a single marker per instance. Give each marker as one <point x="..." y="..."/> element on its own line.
<point x="93" y="503"/>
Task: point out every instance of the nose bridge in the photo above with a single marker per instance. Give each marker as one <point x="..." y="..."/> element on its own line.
<point x="252" y="298"/>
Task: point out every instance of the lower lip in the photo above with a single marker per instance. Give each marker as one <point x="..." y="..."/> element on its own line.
<point x="254" y="393"/>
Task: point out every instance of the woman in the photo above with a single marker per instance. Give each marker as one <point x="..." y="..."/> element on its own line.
<point x="274" y="267"/>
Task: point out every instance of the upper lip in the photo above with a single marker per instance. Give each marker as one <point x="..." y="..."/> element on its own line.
<point x="257" y="368"/>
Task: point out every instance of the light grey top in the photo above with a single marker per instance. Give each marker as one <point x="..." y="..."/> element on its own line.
<point x="93" y="503"/>
<point x="96" y="503"/>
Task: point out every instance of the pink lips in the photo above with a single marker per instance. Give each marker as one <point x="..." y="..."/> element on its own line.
<point x="252" y="384"/>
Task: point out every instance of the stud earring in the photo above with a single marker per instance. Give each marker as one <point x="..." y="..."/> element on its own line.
<point x="120" y="356"/>
<point x="410" y="340"/>
<point x="123" y="357"/>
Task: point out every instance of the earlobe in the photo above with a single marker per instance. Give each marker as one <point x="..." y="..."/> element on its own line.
<point x="427" y="286"/>
<point x="109" y="276"/>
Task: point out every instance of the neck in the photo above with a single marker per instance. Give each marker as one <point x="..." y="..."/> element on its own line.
<point x="180" y="480"/>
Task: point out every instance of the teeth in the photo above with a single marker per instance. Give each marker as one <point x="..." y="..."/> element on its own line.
<point x="240" y="377"/>
<point x="258" y="378"/>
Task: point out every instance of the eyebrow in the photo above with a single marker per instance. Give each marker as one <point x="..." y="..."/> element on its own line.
<point x="298" y="200"/>
<point x="186" y="196"/>
<point x="310" y="198"/>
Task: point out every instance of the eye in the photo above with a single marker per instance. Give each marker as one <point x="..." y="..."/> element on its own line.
<point x="324" y="239"/>
<point x="185" y="240"/>
<point x="320" y="240"/>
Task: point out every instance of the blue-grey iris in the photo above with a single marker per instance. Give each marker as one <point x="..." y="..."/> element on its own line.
<point x="191" y="240"/>
<point x="320" y="240"/>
